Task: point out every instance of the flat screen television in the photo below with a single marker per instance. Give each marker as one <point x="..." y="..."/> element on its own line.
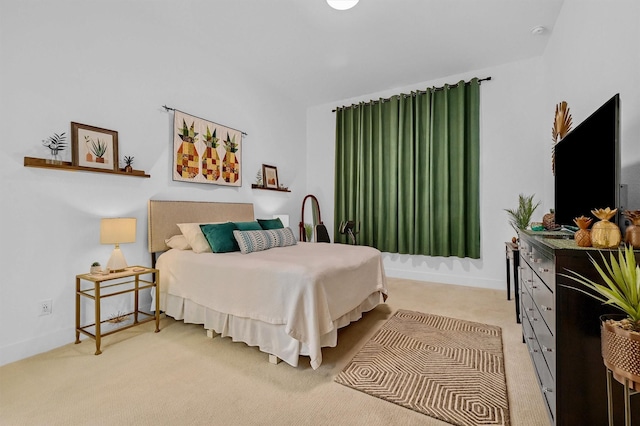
<point x="587" y="166"/>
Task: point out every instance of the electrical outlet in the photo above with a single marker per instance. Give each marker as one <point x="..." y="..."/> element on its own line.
<point x="46" y="307"/>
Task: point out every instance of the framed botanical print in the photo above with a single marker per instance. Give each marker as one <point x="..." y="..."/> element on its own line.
<point x="270" y="176"/>
<point x="94" y="147"/>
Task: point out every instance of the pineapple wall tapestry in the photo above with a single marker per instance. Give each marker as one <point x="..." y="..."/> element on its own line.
<point x="205" y="152"/>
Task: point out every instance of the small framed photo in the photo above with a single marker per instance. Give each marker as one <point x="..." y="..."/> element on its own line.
<point x="270" y="176"/>
<point x="94" y="147"/>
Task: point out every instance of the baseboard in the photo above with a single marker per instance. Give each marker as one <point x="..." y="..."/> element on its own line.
<point x="446" y="278"/>
<point x="36" y="345"/>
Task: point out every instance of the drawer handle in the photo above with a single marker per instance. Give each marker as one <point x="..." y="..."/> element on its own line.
<point x="537" y="260"/>
<point x="541" y="270"/>
<point x="546" y="349"/>
<point x="546" y="389"/>
<point x="533" y="351"/>
<point x="545" y="308"/>
<point x="534" y="286"/>
<point x="529" y="309"/>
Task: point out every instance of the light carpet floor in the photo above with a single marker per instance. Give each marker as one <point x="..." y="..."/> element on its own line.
<point x="180" y="377"/>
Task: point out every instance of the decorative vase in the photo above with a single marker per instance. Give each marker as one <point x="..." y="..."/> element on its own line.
<point x="94" y="269"/>
<point x="632" y="234"/>
<point x="55" y="157"/>
<point x="620" y="350"/>
<point x="605" y="234"/>
<point x="549" y="220"/>
<point x="128" y="169"/>
<point x="582" y="236"/>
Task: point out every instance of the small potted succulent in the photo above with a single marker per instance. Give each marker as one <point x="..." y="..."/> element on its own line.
<point x="95" y="268"/>
<point x="620" y="334"/>
<point x="128" y="161"/>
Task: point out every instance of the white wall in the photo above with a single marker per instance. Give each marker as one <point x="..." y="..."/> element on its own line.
<point x="592" y="54"/>
<point x="110" y="65"/>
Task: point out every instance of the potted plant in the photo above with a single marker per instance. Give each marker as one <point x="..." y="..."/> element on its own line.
<point x="95" y="268"/>
<point x="55" y="143"/>
<point x="520" y="218"/>
<point x="620" y="335"/>
<point x="128" y="161"/>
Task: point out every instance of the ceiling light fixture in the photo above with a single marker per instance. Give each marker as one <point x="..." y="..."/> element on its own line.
<point x="539" y="30"/>
<point x="342" y="4"/>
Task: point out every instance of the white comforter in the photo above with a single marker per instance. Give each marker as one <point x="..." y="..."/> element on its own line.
<point x="305" y="287"/>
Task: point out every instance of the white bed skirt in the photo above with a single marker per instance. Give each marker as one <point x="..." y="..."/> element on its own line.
<point x="270" y="338"/>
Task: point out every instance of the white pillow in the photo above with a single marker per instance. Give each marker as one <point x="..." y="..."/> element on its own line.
<point x="178" y="242"/>
<point x="195" y="237"/>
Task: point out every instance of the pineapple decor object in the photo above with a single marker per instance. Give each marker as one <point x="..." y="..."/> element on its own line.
<point x="210" y="157"/>
<point x="187" y="161"/>
<point x="605" y="234"/>
<point x="549" y="220"/>
<point x="561" y="126"/>
<point x="230" y="165"/>
<point x="632" y="234"/>
<point x="582" y="236"/>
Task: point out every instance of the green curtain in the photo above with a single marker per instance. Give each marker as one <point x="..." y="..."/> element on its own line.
<point x="407" y="170"/>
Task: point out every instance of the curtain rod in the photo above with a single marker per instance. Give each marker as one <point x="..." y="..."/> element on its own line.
<point x="374" y="101"/>
<point x="166" y="108"/>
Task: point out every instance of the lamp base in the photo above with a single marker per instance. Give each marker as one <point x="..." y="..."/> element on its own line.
<point x="116" y="262"/>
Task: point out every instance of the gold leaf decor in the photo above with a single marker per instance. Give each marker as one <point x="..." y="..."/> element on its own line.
<point x="561" y="126"/>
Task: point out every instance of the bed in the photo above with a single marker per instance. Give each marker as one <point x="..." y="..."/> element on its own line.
<point x="288" y="300"/>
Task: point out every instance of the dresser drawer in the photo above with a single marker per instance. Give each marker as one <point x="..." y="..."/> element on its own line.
<point x="544" y="267"/>
<point x="545" y="301"/>
<point x="527" y="307"/>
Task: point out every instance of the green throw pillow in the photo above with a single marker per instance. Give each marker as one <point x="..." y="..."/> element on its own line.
<point x="220" y="237"/>
<point x="271" y="223"/>
<point x="248" y="226"/>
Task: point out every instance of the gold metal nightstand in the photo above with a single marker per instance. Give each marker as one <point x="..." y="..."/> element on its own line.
<point x="108" y="285"/>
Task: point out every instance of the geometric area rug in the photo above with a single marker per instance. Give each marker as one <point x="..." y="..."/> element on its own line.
<point x="445" y="368"/>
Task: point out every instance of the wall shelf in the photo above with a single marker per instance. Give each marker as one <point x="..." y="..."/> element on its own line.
<point x="66" y="165"/>
<point x="254" y="186"/>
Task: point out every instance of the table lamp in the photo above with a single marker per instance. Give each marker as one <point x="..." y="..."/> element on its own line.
<point x="117" y="231"/>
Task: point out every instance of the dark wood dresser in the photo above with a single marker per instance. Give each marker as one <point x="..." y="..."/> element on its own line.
<point x="561" y="328"/>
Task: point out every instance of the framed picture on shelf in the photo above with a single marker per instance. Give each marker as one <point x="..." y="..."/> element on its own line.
<point x="270" y="176"/>
<point x="94" y="147"/>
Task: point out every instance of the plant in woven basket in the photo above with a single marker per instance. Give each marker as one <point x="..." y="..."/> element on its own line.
<point x="605" y="234"/>
<point x="620" y="337"/>
<point x="520" y="218"/>
<point x="621" y="287"/>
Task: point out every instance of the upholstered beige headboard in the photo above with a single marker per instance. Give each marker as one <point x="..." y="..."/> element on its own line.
<point x="163" y="217"/>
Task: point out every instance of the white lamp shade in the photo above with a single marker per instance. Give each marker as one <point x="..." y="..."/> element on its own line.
<point x="118" y="230"/>
<point x="342" y="4"/>
<point x="284" y="218"/>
